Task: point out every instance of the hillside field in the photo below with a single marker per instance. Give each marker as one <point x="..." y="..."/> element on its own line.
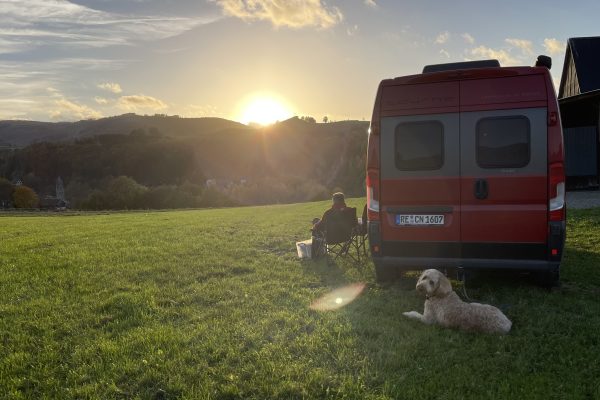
<point x="214" y="304"/>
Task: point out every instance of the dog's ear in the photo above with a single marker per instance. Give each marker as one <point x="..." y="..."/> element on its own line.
<point x="444" y="286"/>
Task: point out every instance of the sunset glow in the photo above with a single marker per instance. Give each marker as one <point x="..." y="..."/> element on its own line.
<point x="69" y="60"/>
<point x="264" y="110"/>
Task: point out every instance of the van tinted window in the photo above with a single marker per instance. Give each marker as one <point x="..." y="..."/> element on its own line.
<point x="503" y="142"/>
<point x="419" y="145"/>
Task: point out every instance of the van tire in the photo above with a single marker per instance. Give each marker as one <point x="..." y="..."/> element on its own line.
<point x="385" y="273"/>
<point x="548" y="279"/>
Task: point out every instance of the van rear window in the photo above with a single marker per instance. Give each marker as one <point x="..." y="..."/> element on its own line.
<point x="503" y="142"/>
<point x="419" y="145"/>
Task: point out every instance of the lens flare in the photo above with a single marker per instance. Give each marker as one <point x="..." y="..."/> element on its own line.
<point x="338" y="298"/>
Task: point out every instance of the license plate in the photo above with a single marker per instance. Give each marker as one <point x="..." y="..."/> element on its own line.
<point x="418" y="219"/>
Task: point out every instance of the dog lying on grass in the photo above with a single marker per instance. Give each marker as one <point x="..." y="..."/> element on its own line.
<point x="444" y="307"/>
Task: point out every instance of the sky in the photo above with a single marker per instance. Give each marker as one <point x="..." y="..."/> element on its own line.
<point x="66" y="60"/>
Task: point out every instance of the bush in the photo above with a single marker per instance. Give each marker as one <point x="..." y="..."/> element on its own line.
<point x="121" y="193"/>
<point x="25" y="197"/>
<point x="125" y="193"/>
<point x="164" y="197"/>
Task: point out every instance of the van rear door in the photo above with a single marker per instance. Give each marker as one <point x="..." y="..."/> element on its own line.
<point x="420" y="184"/>
<point x="504" y="187"/>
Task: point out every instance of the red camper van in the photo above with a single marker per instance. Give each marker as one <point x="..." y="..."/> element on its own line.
<point x="465" y="168"/>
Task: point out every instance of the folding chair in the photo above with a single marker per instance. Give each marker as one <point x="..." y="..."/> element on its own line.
<point x="360" y="235"/>
<point x="339" y="234"/>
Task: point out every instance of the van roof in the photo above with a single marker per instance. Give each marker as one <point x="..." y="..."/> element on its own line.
<point x="465" y="74"/>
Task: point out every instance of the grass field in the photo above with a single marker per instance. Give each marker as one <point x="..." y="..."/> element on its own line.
<point x="214" y="304"/>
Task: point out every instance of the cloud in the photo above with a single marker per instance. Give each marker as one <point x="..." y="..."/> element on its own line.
<point x="351" y="31"/>
<point x="370" y="3"/>
<point x="140" y="102"/>
<point x="11" y="108"/>
<point x="553" y="46"/>
<point x="525" y="46"/>
<point x="198" y="111"/>
<point x="68" y="110"/>
<point x="445" y="53"/>
<point x="32" y="24"/>
<point x="501" y="55"/>
<point x="468" y="38"/>
<point x="442" y="37"/>
<point x="38" y="85"/>
<point x="111" y="87"/>
<point x="288" y="13"/>
<point x="101" y="100"/>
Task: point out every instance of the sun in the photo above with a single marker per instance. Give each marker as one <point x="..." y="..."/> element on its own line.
<point x="265" y="110"/>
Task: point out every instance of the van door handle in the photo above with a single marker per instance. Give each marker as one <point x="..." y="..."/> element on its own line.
<point x="481" y="189"/>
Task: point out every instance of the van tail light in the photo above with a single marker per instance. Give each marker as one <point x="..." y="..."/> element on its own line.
<point x="373" y="195"/>
<point x="556" y="205"/>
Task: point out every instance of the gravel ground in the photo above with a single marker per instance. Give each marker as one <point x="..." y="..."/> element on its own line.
<point x="583" y="199"/>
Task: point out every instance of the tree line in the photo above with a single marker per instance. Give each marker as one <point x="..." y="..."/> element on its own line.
<point x="148" y="170"/>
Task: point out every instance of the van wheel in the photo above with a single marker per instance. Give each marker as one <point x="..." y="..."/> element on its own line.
<point x="548" y="279"/>
<point x="385" y="274"/>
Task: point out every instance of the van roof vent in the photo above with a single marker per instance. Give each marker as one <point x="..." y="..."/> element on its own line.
<point x="461" y="65"/>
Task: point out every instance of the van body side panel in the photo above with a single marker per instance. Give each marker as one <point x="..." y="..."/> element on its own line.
<point x="515" y="208"/>
<point x="431" y="190"/>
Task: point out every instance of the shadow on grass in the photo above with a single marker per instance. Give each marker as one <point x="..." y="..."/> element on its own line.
<point x="331" y="273"/>
<point x="553" y="330"/>
<point x="402" y="354"/>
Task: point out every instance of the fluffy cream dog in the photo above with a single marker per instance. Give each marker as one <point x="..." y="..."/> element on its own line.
<point x="444" y="307"/>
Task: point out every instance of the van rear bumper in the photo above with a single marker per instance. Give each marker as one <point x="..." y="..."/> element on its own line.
<point x="406" y="255"/>
<point x="408" y="263"/>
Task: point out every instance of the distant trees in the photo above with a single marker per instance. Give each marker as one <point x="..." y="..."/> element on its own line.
<point x="145" y="169"/>
<point x="6" y="192"/>
<point x="124" y="193"/>
<point x="25" y="197"/>
<point x="108" y="171"/>
<point x="270" y="190"/>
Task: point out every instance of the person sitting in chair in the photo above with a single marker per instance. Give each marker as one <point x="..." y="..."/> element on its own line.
<point x="339" y="203"/>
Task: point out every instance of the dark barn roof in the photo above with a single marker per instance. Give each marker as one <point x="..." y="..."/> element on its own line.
<point x="582" y="54"/>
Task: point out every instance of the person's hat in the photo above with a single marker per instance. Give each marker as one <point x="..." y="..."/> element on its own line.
<point x="338" y="197"/>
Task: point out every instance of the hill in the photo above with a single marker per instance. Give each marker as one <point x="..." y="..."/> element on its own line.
<point x="214" y="304"/>
<point x="23" y="133"/>
<point x="291" y="161"/>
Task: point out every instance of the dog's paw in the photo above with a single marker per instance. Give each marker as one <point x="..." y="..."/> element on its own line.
<point x="412" y="314"/>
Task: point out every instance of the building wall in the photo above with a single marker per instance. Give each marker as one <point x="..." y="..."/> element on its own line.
<point x="571" y="87"/>
<point x="581" y="150"/>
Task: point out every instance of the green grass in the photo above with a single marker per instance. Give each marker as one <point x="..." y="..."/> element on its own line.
<point x="214" y="304"/>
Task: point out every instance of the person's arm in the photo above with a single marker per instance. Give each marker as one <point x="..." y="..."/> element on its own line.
<point x="319" y="225"/>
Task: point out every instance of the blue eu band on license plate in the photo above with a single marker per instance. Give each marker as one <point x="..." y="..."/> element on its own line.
<point x="419" y="219"/>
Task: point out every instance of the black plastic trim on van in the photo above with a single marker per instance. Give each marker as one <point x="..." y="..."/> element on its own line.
<point x="424" y="262"/>
<point x="461" y="65"/>
<point x="556" y="239"/>
<point x="500" y="251"/>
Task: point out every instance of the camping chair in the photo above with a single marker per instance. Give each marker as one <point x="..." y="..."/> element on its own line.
<point x="338" y="236"/>
<point x="359" y="236"/>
